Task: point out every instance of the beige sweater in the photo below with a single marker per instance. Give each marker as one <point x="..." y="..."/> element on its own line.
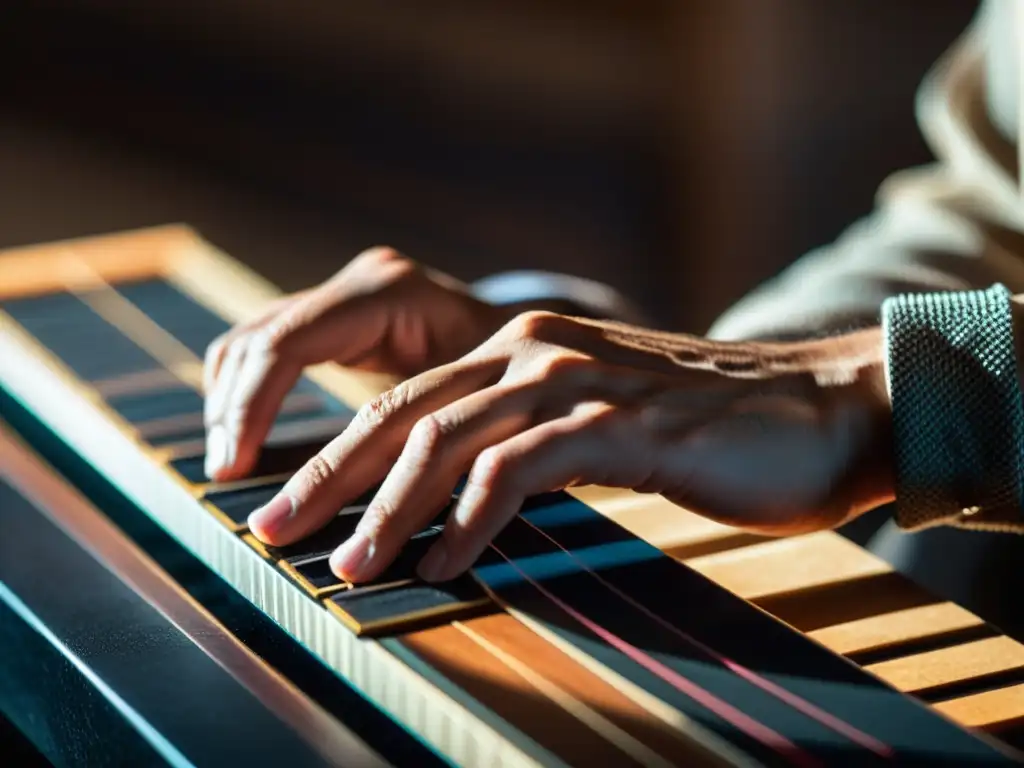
<point x="957" y="224"/>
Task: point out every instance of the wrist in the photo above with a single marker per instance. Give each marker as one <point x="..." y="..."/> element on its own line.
<point x="851" y="372"/>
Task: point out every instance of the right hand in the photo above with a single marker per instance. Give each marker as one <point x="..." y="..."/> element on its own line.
<point x="382" y="312"/>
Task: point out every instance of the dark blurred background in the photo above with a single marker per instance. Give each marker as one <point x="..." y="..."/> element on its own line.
<point x="681" y="150"/>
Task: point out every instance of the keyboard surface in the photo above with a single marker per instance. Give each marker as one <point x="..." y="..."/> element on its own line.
<point x="660" y="657"/>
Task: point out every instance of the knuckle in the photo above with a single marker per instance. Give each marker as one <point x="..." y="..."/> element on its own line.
<point x="559" y="366"/>
<point x="273" y="338"/>
<point x="380" y="260"/>
<point x="535" y="324"/>
<point x="378" y="519"/>
<point x="381" y="254"/>
<point x="377" y="409"/>
<point x="316" y="473"/>
<point x="493" y="467"/>
<point x="428" y="437"/>
<point x="606" y="418"/>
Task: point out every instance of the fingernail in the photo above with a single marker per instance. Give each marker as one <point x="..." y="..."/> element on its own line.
<point x="267" y="521"/>
<point x="431" y="567"/>
<point x="216" y="451"/>
<point x="350" y="559"/>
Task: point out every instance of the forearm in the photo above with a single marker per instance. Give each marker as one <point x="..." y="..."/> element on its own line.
<point x="921" y="244"/>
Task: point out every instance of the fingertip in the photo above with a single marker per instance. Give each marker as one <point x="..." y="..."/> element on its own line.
<point x="351" y="561"/>
<point x="269" y="523"/>
<point x="218" y="452"/>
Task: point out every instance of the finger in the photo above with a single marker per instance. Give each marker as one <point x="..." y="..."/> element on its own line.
<point x="593" y="445"/>
<point x="264" y="380"/>
<point x="213" y="359"/>
<point x="214" y="355"/>
<point x="258" y="370"/>
<point x="361" y="456"/>
<point x="440" y="448"/>
<point x="218" y="443"/>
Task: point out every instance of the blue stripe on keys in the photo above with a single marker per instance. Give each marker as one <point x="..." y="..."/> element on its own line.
<point x="138" y="408"/>
<point x="91" y="347"/>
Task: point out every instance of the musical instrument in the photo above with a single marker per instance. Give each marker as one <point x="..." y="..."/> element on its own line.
<point x="601" y="628"/>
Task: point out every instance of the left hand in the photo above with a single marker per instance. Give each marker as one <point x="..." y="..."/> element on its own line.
<point x="773" y="438"/>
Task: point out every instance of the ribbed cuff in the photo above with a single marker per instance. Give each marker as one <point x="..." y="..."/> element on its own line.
<point x="958" y="420"/>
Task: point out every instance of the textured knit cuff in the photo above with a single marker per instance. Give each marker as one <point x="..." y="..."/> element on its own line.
<point x="958" y="421"/>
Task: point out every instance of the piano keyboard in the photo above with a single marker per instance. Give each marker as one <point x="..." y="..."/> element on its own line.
<point x="578" y="638"/>
<point x="84" y="331"/>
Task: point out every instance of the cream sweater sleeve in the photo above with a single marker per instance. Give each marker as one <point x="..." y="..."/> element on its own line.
<point x="955" y="225"/>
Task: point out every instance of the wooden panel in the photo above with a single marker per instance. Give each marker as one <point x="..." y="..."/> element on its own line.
<point x="788" y="565"/>
<point x="888" y="629"/>
<point x="142" y="253"/>
<point x="925" y="671"/>
<point x="676" y="531"/>
<point x="990" y="710"/>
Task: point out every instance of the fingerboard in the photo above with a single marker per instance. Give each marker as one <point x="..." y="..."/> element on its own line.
<point x="600" y="628"/>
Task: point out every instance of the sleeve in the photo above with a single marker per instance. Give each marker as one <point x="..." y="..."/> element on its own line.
<point x="952" y="226"/>
<point x="563" y="293"/>
<point x="957" y="413"/>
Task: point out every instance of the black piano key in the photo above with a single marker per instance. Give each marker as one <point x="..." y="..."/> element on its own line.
<point x="279" y="459"/>
<point x="182" y="316"/>
<point x="81" y="339"/>
<point x="42" y="308"/>
<point x="317" y="573"/>
<point x="148" y="406"/>
<point x="237" y="503"/>
<point x="186" y="435"/>
<point x="196" y="325"/>
<point x="404" y="566"/>
<point x="310" y="558"/>
<point x="192" y="468"/>
<point x="273" y="460"/>
<point x="189" y="432"/>
<point x="324" y="541"/>
<point x="380" y="610"/>
<point x="317" y="570"/>
<point x="290" y="457"/>
<point x="307" y="412"/>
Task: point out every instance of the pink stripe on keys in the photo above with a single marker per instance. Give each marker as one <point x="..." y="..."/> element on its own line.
<point x="740" y="720"/>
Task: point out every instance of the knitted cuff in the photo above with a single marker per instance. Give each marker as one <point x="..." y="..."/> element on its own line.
<point x="958" y="421"/>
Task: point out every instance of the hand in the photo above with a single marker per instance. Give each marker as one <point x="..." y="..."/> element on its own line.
<point x="382" y="313"/>
<point x="774" y="438"/>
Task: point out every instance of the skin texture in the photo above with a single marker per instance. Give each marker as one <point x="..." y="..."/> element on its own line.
<point x="773" y="438"/>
